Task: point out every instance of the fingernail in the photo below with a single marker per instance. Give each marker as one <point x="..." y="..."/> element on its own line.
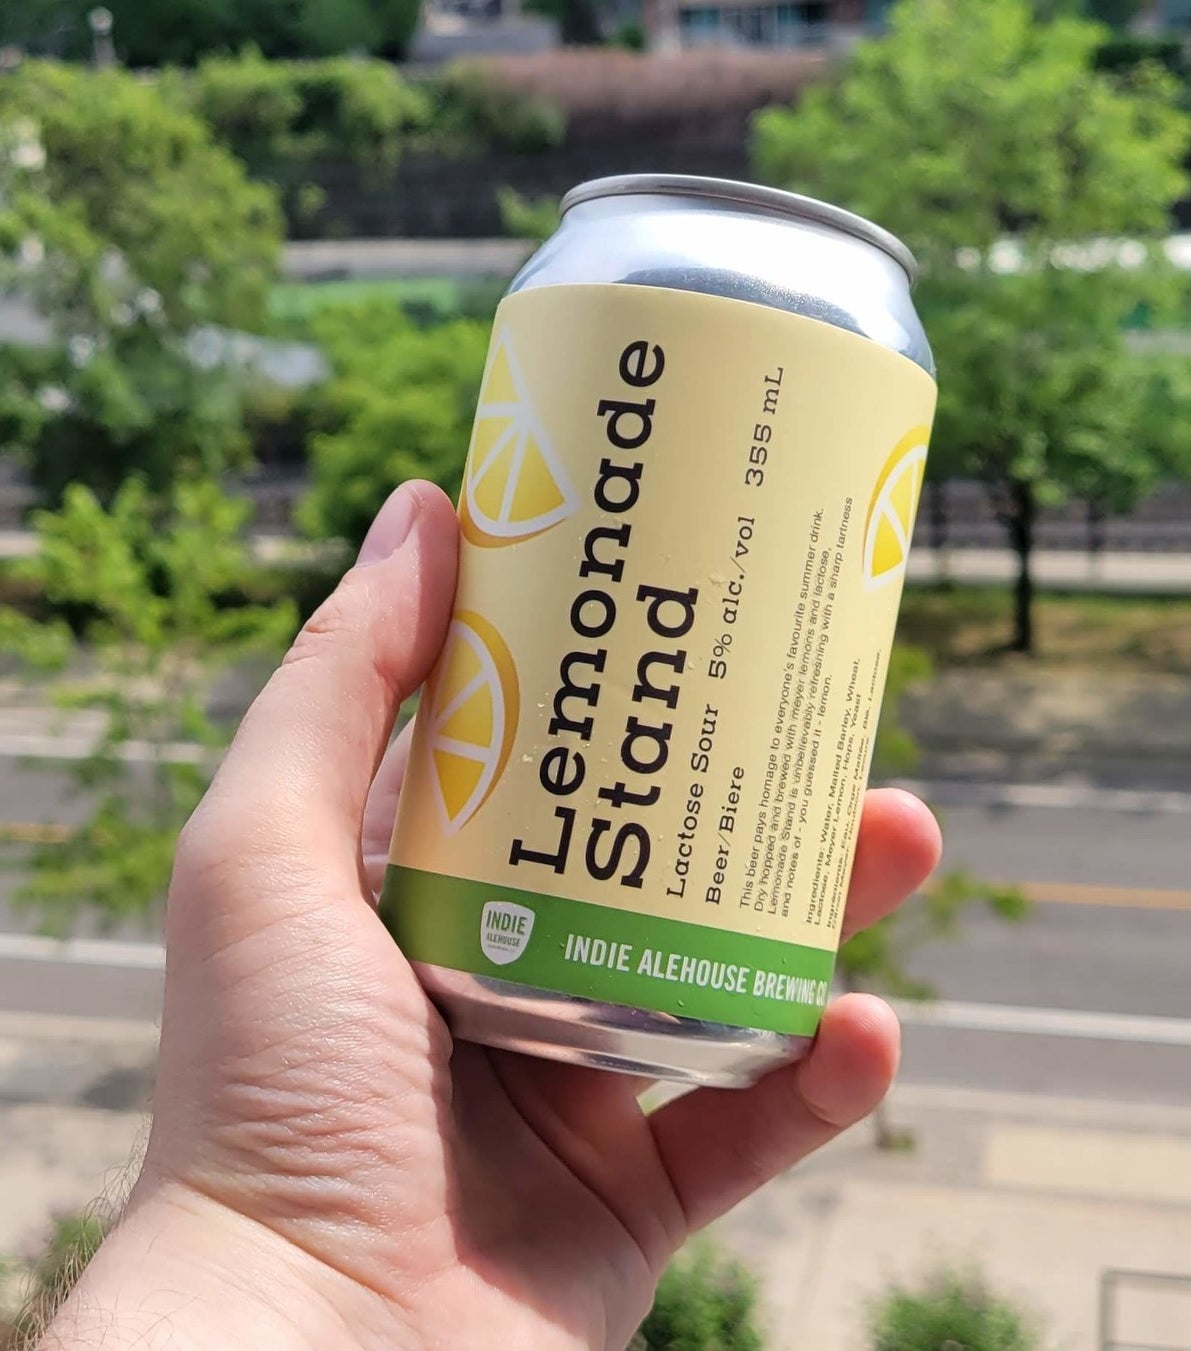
<point x="389" y="530"/>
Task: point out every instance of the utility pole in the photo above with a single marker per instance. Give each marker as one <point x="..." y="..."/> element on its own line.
<point x="103" y="50"/>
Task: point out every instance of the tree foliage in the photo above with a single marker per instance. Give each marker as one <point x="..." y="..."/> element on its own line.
<point x="125" y="232"/>
<point x="1009" y="161"/>
<point x="183" y="31"/>
<point x="270" y="112"/>
<point x="156" y="587"/>
<point x="400" y="403"/>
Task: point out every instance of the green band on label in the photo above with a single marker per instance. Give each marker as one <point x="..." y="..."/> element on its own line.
<point x="577" y="948"/>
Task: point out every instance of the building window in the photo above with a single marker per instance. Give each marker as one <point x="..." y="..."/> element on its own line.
<point x="701" y="25"/>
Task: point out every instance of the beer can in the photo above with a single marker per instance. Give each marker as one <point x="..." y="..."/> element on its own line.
<point x="629" y="819"/>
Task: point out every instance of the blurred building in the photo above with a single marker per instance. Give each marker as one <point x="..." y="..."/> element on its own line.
<point x="1165" y="16"/>
<point x="451" y="28"/>
<point x="777" y="23"/>
<point x="748" y="23"/>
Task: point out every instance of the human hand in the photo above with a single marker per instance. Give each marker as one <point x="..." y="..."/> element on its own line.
<point x="325" y="1170"/>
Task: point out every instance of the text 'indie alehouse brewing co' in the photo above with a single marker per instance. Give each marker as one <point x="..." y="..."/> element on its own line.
<point x="628" y="824"/>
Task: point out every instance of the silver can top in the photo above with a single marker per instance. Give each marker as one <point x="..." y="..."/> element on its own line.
<point x="775" y="200"/>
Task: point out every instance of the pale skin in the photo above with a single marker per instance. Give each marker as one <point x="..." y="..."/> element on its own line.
<point x="325" y="1169"/>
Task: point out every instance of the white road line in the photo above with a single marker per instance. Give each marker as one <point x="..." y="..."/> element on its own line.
<point x="1135" y="1113"/>
<point x="1047" y="796"/>
<point x="22" y="1027"/>
<point x="41" y="746"/>
<point x="1034" y="1022"/>
<point x="1014" y="1019"/>
<point x="83" y="952"/>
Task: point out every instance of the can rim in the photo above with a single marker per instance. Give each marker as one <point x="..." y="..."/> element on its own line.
<point x="791" y="204"/>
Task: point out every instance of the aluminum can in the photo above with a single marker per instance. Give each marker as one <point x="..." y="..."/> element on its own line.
<point x="628" y="825"/>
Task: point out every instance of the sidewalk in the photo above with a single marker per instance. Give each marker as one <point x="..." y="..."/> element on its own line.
<point x="1102" y="728"/>
<point x="1162" y="573"/>
<point x="1040" y="1196"/>
<point x="1043" y="1195"/>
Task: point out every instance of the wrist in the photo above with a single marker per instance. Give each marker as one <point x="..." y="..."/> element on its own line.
<point x="183" y="1271"/>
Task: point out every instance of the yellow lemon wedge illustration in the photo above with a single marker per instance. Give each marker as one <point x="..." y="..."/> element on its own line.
<point x="471" y="704"/>
<point x="514" y="486"/>
<point x="891" y="512"/>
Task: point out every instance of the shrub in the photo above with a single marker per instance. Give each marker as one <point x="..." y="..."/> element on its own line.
<point x="475" y="109"/>
<point x="704" y="1303"/>
<point x="951" y="1312"/>
<point x="694" y="97"/>
<point x="525" y="218"/>
<point x="74" y="1240"/>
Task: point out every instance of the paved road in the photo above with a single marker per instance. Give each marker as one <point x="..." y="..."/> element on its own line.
<point x="1116" y="943"/>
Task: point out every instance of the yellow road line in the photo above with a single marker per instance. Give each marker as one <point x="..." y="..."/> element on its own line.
<point x="1127" y="898"/>
<point x="34" y="832"/>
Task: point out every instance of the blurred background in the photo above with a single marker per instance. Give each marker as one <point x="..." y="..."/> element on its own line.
<point x="249" y="254"/>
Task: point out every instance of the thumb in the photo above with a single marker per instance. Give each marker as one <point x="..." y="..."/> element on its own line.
<point x="295" y="780"/>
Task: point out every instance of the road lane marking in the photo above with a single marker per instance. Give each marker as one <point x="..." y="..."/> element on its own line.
<point x="1123" y="898"/>
<point x="1018" y="1020"/>
<point x="1048" y="796"/>
<point x="23" y="1027"/>
<point x="34" y="832"/>
<point x="953" y="1016"/>
<point x="123" y="956"/>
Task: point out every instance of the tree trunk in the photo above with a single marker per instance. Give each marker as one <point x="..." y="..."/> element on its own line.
<point x="1023" y="517"/>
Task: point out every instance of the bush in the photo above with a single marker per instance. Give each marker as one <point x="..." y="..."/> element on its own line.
<point x="524" y="218"/>
<point x="951" y="1312"/>
<point x="476" y="109"/>
<point x="298" y="111"/>
<point x="75" y="1239"/>
<point x="401" y="403"/>
<point x="703" y="1303"/>
<point x="600" y="95"/>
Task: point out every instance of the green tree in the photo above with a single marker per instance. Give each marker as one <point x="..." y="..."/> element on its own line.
<point x="400" y="403"/>
<point x="156" y="588"/>
<point x="182" y="32"/>
<point x="125" y="235"/>
<point x="951" y="1311"/>
<point x="1042" y="398"/>
<point x="271" y="112"/>
<point x="993" y="144"/>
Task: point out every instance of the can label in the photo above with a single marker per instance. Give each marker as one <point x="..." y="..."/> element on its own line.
<point x="638" y="766"/>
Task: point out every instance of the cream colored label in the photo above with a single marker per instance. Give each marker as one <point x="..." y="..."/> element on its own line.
<point x="685" y="527"/>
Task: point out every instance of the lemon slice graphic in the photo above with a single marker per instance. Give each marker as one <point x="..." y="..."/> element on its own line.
<point x="891" y="512"/>
<point x="471" y="704"/>
<point x="514" y="486"/>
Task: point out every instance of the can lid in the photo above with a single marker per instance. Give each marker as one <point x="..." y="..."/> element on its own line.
<point x="790" y="204"/>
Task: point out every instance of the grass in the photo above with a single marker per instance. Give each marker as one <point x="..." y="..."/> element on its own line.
<point x="970" y="626"/>
<point x="428" y="300"/>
